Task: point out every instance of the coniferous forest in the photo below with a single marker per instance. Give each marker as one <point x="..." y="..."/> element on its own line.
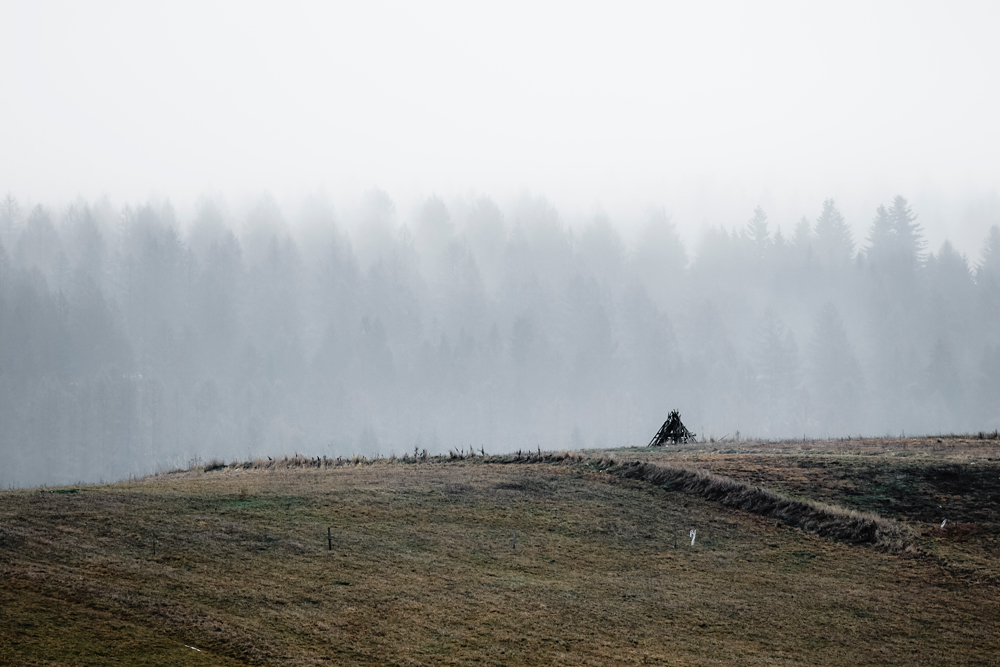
<point x="131" y="342"/>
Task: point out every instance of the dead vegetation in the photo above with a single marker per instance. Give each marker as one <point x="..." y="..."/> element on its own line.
<point x="423" y="569"/>
<point x="825" y="520"/>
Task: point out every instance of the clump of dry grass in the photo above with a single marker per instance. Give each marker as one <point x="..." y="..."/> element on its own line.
<point x="215" y="464"/>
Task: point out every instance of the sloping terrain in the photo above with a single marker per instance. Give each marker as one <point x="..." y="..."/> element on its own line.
<point x="421" y="566"/>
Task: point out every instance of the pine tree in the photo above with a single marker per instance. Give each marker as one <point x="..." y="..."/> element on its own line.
<point x="908" y="235"/>
<point x="880" y="237"/>
<point x="950" y="269"/>
<point x="802" y="236"/>
<point x="757" y="234"/>
<point x="988" y="280"/>
<point x="834" y="241"/>
<point x="990" y="262"/>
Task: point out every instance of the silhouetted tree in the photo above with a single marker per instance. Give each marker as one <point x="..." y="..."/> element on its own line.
<point x="989" y="263"/>
<point x="907" y="233"/>
<point x="881" y="238"/>
<point x="802" y="238"/>
<point x="40" y="247"/>
<point x="988" y="281"/>
<point x="834" y="241"/>
<point x="757" y="234"/>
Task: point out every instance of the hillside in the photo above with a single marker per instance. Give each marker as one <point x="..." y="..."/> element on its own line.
<point x="421" y="567"/>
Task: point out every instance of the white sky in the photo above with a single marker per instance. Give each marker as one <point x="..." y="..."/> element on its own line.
<point x="706" y="109"/>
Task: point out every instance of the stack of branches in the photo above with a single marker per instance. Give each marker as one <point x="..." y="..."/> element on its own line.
<point x="673" y="430"/>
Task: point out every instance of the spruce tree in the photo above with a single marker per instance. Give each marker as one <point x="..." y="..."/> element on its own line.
<point x="908" y="235"/>
<point x="880" y="237"/>
<point x="757" y="234"/>
<point x="990" y="262"/>
<point x="834" y="240"/>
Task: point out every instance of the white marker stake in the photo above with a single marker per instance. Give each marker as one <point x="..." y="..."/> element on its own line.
<point x="942" y="523"/>
<point x="192" y="648"/>
<point x="694" y="533"/>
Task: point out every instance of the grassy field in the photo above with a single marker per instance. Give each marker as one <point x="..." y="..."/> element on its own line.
<point x="423" y="568"/>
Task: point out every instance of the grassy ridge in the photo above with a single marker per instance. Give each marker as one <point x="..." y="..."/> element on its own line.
<point x="423" y="569"/>
<point x="820" y="518"/>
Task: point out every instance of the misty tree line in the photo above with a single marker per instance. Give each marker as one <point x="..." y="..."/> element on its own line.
<point x="127" y="342"/>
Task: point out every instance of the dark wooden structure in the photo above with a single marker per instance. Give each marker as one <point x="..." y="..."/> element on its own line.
<point x="673" y="430"/>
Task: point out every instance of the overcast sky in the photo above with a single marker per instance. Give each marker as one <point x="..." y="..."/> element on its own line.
<point x="706" y="109"/>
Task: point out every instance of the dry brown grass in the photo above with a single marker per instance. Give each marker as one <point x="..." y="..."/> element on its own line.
<point x="423" y="572"/>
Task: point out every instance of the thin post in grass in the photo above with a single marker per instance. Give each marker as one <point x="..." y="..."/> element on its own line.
<point x="514" y="542"/>
<point x="329" y="540"/>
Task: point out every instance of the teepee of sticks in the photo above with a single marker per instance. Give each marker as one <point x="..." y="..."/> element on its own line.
<point x="673" y="430"/>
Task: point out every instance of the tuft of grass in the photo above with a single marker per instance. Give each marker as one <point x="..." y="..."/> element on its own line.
<point x="215" y="464"/>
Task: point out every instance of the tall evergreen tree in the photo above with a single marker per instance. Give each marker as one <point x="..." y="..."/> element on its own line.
<point x="988" y="281"/>
<point x="880" y="237"/>
<point x="834" y="241"/>
<point x="757" y="234"/>
<point x="802" y="236"/>
<point x="949" y="271"/>
<point x="40" y="247"/>
<point x="989" y="264"/>
<point x="908" y="235"/>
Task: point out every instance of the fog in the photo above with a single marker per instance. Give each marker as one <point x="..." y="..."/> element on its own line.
<point x="233" y="230"/>
<point x="130" y="340"/>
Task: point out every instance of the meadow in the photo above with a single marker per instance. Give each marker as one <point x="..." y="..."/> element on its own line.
<point x="815" y="552"/>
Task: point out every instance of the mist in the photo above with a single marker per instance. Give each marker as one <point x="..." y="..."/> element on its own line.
<point x="232" y="230"/>
<point x="131" y="340"/>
